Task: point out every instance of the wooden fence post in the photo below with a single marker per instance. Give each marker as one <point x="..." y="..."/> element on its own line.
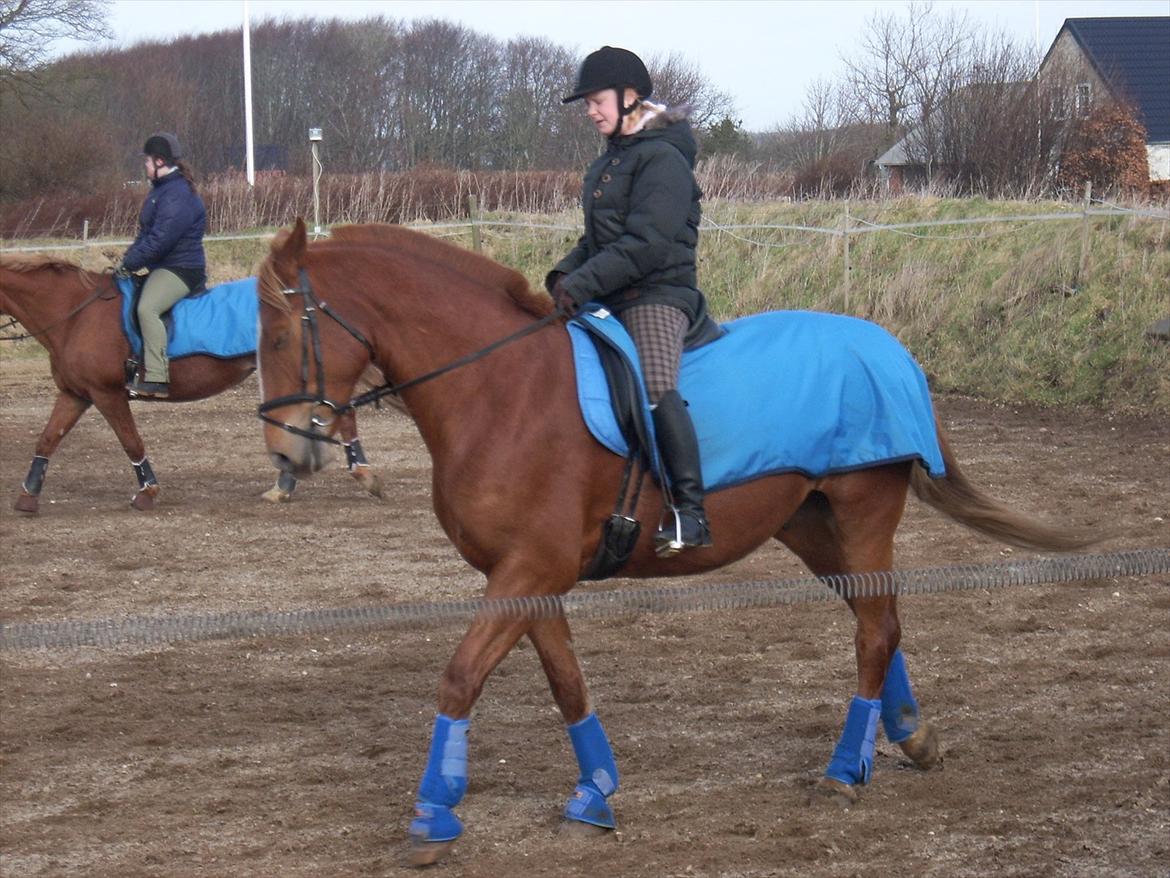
<point x="473" y="209"/>
<point x="845" y="250"/>
<point x="1084" y="233"/>
<point x="85" y="230"/>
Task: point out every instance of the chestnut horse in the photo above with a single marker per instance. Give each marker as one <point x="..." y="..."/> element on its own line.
<point x="522" y="489"/>
<point x="77" y="316"/>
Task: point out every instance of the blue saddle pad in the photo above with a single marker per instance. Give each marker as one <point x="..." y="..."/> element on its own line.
<point x="220" y="323"/>
<point x="785" y="391"/>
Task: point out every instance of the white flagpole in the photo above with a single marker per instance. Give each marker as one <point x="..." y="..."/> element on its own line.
<point x="250" y="162"/>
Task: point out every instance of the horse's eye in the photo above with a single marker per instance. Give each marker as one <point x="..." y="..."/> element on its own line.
<point x="280" y="341"/>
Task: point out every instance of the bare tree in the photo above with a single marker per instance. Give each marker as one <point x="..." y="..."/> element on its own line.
<point x="680" y="81"/>
<point x="28" y="28"/>
<point x="905" y="63"/>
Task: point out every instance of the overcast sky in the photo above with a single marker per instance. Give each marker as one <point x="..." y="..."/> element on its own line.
<point x="763" y="53"/>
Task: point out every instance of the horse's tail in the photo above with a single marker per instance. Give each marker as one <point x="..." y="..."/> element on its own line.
<point x="956" y="497"/>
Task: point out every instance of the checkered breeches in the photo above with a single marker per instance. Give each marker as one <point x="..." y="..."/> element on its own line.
<point x="658" y="332"/>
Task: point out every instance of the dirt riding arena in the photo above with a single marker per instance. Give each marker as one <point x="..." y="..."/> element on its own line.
<point x="300" y="756"/>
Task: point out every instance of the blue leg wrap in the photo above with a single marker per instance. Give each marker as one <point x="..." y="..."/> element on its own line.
<point x="852" y="761"/>
<point x="599" y="775"/>
<point x="443" y="783"/>
<point x="899" y="709"/>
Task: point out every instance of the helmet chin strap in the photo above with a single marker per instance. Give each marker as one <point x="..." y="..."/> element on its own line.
<point x="623" y="110"/>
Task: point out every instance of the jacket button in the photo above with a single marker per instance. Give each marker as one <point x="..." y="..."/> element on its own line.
<point x="596" y="193"/>
<point x="605" y="178"/>
<point x="615" y="161"/>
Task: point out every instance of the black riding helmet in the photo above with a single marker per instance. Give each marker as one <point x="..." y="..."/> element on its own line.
<point x="163" y="145"/>
<point x="619" y="69"/>
<point x="609" y="67"/>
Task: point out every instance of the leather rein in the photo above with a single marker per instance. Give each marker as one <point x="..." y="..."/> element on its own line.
<point x="311" y="351"/>
<point x="85" y="303"/>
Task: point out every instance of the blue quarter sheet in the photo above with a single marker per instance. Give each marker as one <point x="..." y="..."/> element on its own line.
<point x="220" y="323"/>
<point x="785" y="391"/>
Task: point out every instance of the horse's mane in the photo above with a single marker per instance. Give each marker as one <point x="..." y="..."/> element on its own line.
<point x="406" y="242"/>
<point x="25" y="264"/>
<point x="471" y="265"/>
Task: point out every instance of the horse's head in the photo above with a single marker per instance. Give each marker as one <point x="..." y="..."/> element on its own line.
<point x="309" y="354"/>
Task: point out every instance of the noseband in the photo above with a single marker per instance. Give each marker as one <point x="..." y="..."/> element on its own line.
<point x="311" y="346"/>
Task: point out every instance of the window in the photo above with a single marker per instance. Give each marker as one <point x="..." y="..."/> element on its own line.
<point x="1084" y="99"/>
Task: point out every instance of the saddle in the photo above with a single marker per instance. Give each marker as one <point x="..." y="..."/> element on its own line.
<point x="629" y="400"/>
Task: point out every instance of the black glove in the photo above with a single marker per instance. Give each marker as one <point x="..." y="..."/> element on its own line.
<point x="121" y="271"/>
<point x="566" y="304"/>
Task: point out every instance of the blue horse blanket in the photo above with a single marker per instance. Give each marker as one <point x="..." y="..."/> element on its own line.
<point x="785" y="391"/>
<point x="220" y="323"/>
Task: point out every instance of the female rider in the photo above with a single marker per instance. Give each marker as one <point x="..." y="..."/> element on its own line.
<point x="637" y="258"/>
<point x="170" y="245"/>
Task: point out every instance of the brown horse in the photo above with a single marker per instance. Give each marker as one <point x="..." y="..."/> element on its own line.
<point x="76" y="315"/>
<point x="522" y="488"/>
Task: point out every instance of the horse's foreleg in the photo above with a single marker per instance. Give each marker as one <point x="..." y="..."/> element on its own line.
<point x="355" y="457"/>
<point x="115" y="408"/>
<point x="282" y="491"/>
<point x="597" y="778"/>
<point x="435" y="826"/>
<point x="67" y="410"/>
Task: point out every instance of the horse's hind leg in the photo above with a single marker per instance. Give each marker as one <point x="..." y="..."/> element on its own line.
<point x="115" y="408"/>
<point x="67" y="410"/>
<point x="849" y="529"/>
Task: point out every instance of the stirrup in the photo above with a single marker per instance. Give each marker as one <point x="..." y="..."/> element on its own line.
<point x="672" y="539"/>
<point x="148" y="389"/>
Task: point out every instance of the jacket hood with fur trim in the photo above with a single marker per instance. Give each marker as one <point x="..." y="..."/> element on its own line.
<point x="671" y="124"/>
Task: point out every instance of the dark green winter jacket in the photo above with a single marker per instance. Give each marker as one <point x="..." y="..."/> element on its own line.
<point x="641" y="223"/>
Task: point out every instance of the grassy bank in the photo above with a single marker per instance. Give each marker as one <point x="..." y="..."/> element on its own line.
<point x="1001" y="311"/>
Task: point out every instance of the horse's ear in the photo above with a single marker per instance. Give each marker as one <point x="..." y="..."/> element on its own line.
<point x="288" y="250"/>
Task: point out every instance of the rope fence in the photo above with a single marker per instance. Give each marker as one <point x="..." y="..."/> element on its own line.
<point x="608" y="603"/>
<point x="851" y="225"/>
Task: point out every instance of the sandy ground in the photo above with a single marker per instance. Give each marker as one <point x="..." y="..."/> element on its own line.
<point x="299" y="756"/>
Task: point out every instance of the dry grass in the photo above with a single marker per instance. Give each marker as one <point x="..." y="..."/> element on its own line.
<point x="994" y="310"/>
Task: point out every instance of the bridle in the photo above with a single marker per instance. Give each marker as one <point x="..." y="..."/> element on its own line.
<point x="311" y="349"/>
<point x="311" y="356"/>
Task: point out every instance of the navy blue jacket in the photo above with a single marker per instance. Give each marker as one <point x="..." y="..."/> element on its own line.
<point x="170" y="228"/>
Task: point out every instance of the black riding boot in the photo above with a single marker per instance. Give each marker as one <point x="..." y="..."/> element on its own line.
<point x="684" y="526"/>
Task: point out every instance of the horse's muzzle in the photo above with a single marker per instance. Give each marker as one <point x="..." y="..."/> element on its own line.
<point x="299" y="457"/>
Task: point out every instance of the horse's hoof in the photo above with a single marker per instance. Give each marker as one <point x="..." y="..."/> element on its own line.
<point x="830" y="790"/>
<point x="922" y="747"/>
<point x="368" y="480"/>
<point x="427" y="853"/>
<point x="579" y="831"/>
<point x="144" y="500"/>
<point x="276" y="495"/>
<point x="27" y="502"/>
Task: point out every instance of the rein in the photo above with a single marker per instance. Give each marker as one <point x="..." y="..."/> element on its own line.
<point x="311" y="305"/>
<point x="97" y="294"/>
